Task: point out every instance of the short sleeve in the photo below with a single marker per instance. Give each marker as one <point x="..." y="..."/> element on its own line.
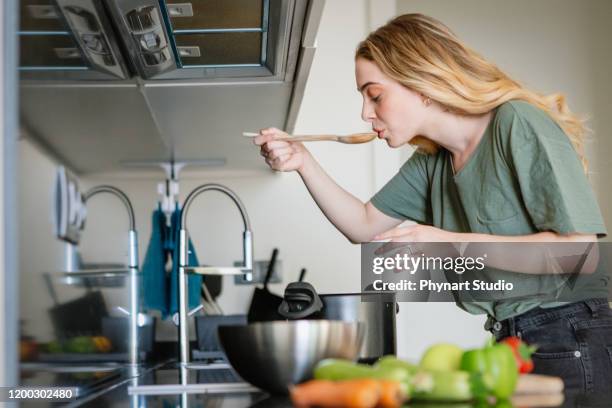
<point x="554" y="187"/>
<point x="405" y="196"/>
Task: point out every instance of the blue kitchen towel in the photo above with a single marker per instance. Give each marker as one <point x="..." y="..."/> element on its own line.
<point x="159" y="290"/>
<point x="154" y="292"/>
<point x="193" y="281"/>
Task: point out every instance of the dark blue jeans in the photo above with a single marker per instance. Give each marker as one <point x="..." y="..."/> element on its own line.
<point x="574" y="342"/>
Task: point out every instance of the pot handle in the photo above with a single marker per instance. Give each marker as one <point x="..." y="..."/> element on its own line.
<point x="300" y="301"/>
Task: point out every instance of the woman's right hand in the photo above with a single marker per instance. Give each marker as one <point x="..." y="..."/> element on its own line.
<point x="280" y="155"/>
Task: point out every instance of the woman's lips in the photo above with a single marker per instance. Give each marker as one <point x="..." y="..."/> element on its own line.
<point x="380" y="133"/>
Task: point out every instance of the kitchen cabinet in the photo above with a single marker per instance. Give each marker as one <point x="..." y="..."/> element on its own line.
<point x="239" y="66"/>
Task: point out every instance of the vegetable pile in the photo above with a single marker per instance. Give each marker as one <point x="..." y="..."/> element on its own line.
<point x="446" y="373"/>
<point x="81" y="344"/>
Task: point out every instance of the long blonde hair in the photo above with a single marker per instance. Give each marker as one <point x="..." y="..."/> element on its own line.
<point x="424" y="55"/>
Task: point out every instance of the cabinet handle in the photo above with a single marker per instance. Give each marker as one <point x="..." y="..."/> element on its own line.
<point x="180" y="10"/>
<point x="189" y="52"/>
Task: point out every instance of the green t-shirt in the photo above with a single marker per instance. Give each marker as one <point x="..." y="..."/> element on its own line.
<point x="523" y="177"/>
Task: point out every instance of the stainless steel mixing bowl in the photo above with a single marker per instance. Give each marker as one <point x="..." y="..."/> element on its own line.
<point x="274" y="355"/>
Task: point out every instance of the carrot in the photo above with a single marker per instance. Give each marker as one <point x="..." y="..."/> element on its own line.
<point x="391" y="394"/>
<point x="361" y="393"/>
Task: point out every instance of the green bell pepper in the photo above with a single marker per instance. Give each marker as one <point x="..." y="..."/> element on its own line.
<point x="449" y="386"/>
<point x="497" y="365"/>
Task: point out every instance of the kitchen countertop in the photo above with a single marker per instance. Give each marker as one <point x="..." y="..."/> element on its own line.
<point x="154" y="388"/>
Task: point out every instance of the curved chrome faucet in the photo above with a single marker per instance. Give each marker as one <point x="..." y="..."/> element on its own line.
<point x="117" y="193"/>
<point x="246" y="268"/>
<point x="132" y="266"/>
<point x="215" y="187"/>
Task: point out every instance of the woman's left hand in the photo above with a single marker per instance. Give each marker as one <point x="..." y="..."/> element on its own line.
<point x="417" y="233"/>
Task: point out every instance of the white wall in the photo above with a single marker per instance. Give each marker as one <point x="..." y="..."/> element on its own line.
<point x="39" y="251"/>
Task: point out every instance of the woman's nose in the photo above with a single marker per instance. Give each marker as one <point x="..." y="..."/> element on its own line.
<point x="367" y="113"/>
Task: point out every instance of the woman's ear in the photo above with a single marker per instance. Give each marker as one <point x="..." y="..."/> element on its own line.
<point x="425" y="99"/>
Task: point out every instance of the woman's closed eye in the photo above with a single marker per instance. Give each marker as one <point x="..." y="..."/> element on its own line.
<point x="374" y="93"/>
<point x="376" y="98"/>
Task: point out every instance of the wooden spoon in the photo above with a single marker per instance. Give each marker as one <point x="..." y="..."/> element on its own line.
<point x="348" y="139"/>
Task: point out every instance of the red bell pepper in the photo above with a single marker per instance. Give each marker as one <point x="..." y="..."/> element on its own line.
<point x="522" y="353"/>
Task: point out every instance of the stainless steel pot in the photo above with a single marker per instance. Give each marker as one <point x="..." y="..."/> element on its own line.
<point x="375" y="310"/>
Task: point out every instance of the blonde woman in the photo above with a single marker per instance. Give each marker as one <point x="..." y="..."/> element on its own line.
<point x="495" y="162"/>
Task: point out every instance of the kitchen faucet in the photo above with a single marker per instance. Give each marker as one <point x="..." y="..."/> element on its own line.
<point x="245" y="269"/>
<point x="132" y="267"/>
